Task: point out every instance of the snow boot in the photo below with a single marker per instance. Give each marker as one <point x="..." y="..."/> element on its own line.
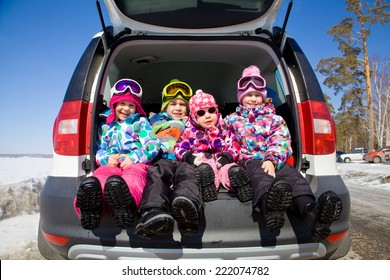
<point x="119" y="198"/>
<point x="154" y="221"/>
<point x="239" y="180"/>
<point x="186" y="214"/>
<point x="275" y="203"/>
<point x="322" y="214"/>
<point x="90" y="201"/>
<point x="205" y="176"/>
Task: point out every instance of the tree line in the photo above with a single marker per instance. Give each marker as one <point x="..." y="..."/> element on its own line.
<point x="363" y="80"/>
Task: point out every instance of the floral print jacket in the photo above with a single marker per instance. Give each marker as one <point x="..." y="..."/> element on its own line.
<point x="211" y="142"/>
<point x="262" y="134"/>
<point x="133" y="136"/>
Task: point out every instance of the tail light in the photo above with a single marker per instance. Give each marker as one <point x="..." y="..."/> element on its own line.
<point x="317" y="128"/>
<point x="71" y="127"/>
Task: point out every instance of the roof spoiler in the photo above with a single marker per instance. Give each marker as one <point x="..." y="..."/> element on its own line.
<point x="278" y="32"/>
<point x="105" y="34"/>
<point x="286" y="19"/>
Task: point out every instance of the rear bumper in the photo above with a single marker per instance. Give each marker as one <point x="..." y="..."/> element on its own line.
<point x="281" y="252"/>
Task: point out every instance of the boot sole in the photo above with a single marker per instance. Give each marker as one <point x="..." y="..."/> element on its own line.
<point x="279" y="198"/>
<point x="239" y="180"/>
<point x="119" y="198"/>
<point x="90" y="201"/>
<point x="161" y="224"/>
<point x="330" y="211"/>
<point x="186" y="215"/>
<point x="205" y="177"/>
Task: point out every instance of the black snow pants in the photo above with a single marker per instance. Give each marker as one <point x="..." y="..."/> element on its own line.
<point x="166" y="180"/>
<point x="261" y="181"/>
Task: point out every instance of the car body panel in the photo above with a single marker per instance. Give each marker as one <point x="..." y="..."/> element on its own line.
<point x="218" y="17"/>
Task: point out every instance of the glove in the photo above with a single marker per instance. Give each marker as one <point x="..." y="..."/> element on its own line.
<point x="192" y="158"/>
<point x="198" y="160"/>
<point x="223" y="159"/>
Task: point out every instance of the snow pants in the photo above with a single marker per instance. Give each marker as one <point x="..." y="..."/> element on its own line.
<point x="261" y="181"/>
<point x="166" y="180"/>
<point x="134" y="176"/>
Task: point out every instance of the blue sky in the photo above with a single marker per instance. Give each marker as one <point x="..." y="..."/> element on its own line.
<point x="41" y="42"/>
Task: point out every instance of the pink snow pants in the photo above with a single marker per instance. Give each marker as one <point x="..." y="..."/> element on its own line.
<point x="134" y="176"/>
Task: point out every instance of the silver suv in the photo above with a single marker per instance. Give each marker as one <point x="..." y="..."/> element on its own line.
<point x="207" y="44"/>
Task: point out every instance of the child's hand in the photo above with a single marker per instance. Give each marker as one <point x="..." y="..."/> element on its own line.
<point x="269" y="168"/>
<point x="113" y="160"/>
<point x="125" y="161"/>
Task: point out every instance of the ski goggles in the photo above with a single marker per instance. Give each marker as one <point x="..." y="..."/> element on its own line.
<point x="256" y="81"/>
<point x="171" y="90"/>
<point x="124" y="85"/>
<point x="202" y="112"/>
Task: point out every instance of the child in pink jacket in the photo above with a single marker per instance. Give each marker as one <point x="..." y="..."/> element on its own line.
<point x="127" y="145"/>
<point x="208" y="143"/>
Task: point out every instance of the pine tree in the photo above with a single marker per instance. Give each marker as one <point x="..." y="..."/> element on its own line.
<point x="351" y="72"/>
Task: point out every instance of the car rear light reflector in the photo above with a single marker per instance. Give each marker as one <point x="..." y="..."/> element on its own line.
<point x="55" y="239"/>
<point x="333" y="238"/>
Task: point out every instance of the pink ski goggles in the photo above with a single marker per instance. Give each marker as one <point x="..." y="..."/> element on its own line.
<point x="256" y="81"/>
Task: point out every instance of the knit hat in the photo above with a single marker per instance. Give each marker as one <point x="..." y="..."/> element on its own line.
<point x="127" y="96"/>
<point x="199" y="101"/>
<point x="184" y="92"/>
<point x="251" y="71"/>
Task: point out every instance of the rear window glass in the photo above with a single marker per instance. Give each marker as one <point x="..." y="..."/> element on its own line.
<point x="193" y="14"/>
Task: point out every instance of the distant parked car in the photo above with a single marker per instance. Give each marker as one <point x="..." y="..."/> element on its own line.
<point x="380" y="155"/>
<point x="338" y="154"/>
<point x="356" y="155"/>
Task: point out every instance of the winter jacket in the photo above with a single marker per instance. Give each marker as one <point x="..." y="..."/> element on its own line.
<point x="263" y="135"/>
<point x="214" y="142"/>
<point x="168" y="131"/>
<point x="133" y="136"/>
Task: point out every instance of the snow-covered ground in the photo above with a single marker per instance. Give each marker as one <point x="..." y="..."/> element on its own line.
<point x="22" y="178"/>
<point x="366" y="174"/>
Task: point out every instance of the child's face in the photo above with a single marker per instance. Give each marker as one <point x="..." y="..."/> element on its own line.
<point x="177" y="109"/>
<point x="252" y="100"/>
<point x="209" y="119"/>
<point x="124" y="109"/>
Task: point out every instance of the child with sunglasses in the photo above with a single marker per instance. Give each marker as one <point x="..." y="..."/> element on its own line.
<point x="171" y="190"/>
<point x="208" y="143"/>
<point x="126" y="147"/>
<point x="265" y="146"/>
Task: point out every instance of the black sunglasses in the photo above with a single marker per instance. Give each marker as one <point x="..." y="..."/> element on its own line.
<point x="211" y="110"/>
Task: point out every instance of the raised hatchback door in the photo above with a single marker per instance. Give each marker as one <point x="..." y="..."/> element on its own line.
<point x="194" y="16"/>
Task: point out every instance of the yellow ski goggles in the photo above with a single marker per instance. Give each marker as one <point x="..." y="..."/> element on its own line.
<point x="172" y="89"/>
